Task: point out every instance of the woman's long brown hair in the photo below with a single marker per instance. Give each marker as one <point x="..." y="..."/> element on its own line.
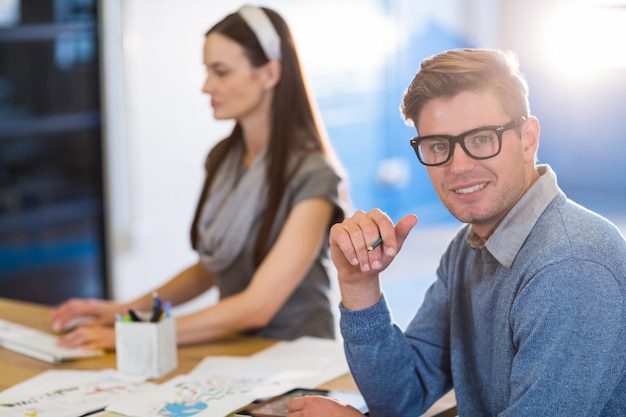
<point x="295" y="128"/>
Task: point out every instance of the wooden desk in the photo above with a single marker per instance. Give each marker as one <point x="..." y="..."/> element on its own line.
<point x="16" y="368"/>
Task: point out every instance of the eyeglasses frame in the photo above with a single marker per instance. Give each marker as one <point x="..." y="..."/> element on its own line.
<point x="460" y="139"/>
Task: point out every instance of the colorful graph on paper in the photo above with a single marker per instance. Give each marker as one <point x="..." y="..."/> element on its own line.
<point x="53" y="395"/>
<point x="186" y="396"/>
<point x="194" y="396"/>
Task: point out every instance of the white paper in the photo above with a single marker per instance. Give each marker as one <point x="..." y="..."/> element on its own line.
<point x="216" y="387"/>
<point x="305" y="362"/>
<point x="199" y="396"/>
<point x="67" y="393"/>
<point x="219" y="385"/>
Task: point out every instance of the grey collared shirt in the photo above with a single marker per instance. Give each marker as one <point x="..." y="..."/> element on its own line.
<point x="506" y="241"/>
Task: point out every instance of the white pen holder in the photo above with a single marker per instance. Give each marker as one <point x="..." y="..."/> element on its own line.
<point x="146" y="349"/>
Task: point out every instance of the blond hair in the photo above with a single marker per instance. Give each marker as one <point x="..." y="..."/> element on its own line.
<point x="452" y="72"/>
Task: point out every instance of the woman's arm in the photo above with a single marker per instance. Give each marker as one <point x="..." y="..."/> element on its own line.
<point x="97" y="333"/>
<point x="185" y="286"/>
<point x="277" y="277"/>
<point x="279" y="274"/>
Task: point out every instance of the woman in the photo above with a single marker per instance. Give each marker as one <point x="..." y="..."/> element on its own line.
<point x="270" y="195"/>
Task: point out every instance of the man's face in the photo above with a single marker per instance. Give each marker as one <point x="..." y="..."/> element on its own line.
<point x="480" y="192"/>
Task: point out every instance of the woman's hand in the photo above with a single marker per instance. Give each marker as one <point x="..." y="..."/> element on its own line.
<point x="76" y="312"/>
<point x="316" y="406"/>
<point x="90" y="336"/>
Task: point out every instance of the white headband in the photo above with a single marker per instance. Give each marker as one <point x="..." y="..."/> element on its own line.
<point x="263" y="29"/>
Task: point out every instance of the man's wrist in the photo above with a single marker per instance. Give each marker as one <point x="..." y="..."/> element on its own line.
<point x="360" y="295"/>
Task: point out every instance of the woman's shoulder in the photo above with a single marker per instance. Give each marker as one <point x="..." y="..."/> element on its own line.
<point x="317" y="172"/>
<point x="314" y="160"/>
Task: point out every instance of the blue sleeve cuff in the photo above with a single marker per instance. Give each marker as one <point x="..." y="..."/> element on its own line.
<point x="365" y="326"/>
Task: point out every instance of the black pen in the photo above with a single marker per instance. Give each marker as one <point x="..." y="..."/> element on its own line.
<point x="133" y="315"/>
<point x="98" y="410"/>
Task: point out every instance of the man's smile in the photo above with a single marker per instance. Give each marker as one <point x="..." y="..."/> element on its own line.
<point x="471" y="189"/>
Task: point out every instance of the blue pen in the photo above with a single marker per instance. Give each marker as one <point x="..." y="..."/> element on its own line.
<point x="156" y="302"/>
<point x="156" y="308"/>
<point x="168" y="309"/>
<point x="375" y="244"/>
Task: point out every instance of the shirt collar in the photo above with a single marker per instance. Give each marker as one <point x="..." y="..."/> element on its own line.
<point x="507" y="240"/>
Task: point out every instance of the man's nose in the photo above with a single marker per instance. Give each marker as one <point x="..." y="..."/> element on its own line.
<point x="460" y="161"/>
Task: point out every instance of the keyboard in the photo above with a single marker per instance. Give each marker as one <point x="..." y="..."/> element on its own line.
<point x="38" y="344"/>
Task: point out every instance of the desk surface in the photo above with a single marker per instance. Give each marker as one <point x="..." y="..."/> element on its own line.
<point x="17" y="368"/>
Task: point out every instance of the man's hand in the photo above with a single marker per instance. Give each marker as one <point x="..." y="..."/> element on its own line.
<point x="316" y="406"/>
<point x="358" y="267"/>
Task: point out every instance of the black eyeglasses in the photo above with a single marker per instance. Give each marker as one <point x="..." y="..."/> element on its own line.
<point x="481" y="143"/>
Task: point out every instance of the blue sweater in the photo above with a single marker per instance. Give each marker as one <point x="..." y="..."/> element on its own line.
<point x="532" y="323"/>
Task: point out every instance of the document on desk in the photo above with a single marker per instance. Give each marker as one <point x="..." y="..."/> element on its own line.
<point x="219" y="385"/>
<point x="200" y="396"/>
<point x="304" y="362"/>
<point x="39" y="345"/>
<point x="67" y="393"/>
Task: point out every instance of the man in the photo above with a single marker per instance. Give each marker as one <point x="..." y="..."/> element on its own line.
<point x="527" y="316"/>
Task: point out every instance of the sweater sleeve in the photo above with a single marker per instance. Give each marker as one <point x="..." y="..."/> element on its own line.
<point x="568" y="326"/>
<point x="399" y="374"/>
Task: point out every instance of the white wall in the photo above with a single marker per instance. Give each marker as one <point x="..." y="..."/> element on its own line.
<point x="168" y="129"/>
<point x="160" y="125"/>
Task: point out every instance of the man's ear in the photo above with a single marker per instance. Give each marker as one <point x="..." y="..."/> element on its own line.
<point x="530" y="137"/>
<point x="272" y="72"/>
